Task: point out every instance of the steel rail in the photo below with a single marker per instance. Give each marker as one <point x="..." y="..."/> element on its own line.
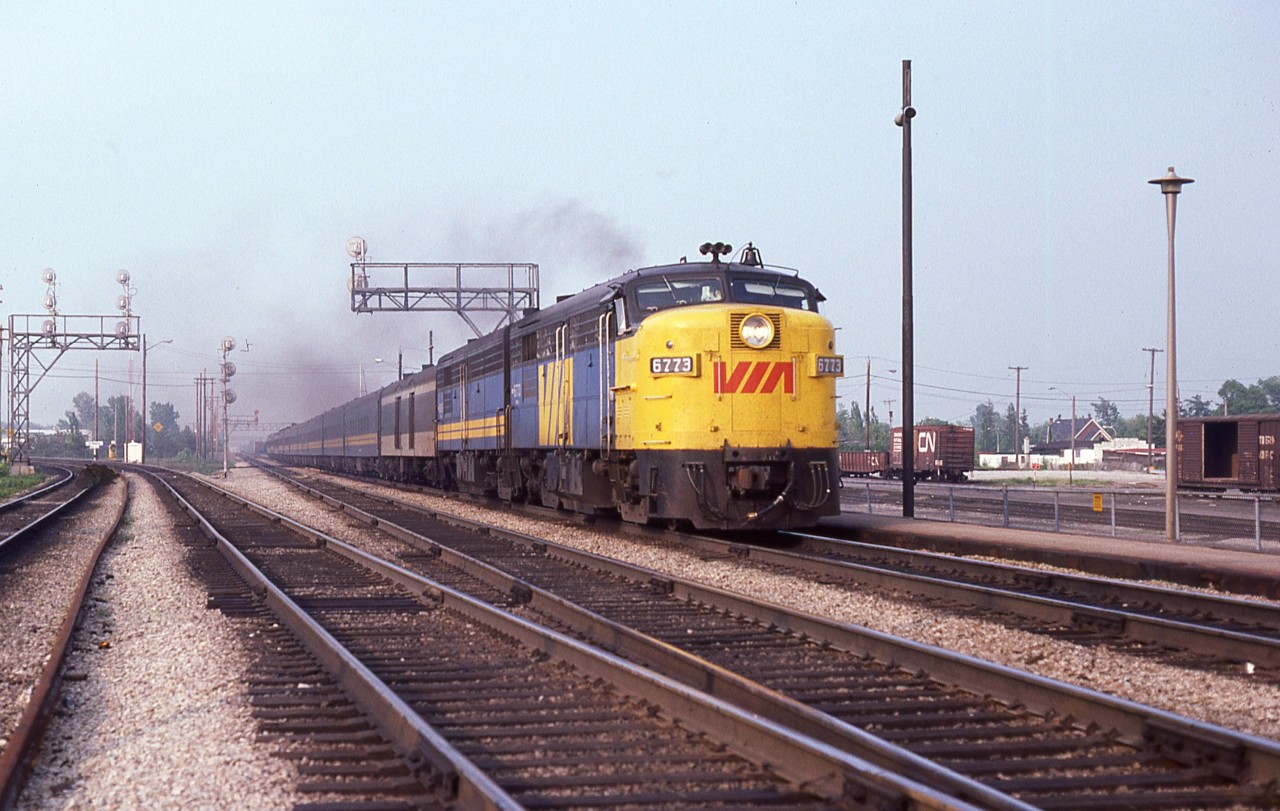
<point x="669" y="660"/>
<point x="29" y="500"/>
<point x="22" y="498"/>
<point x="1063" y="610"/>
<point x="447" y="769"/>
<point x="1179" y="738"/>
<point x="808" y="762"/>
<point x="1104" y="590"/>
<point x="1024" y="504"/>
<point x="19" y="754"/>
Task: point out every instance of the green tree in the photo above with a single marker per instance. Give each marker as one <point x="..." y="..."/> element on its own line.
<point x="986" y="431"/>
<point x="1238" y="398"/>
<point x="853" y="429"/>
<point x="66" y="441"/>
<point x="84" y="406"/>
<point x="1197" y="406"/>
<point x="1106" y="413"/>
<point x="1271" y="388"/>
<point x="114" y="418"/>
<point x="1007" y="432"/>
<point x="851" y="426"/>
<point x="165" y="439"/>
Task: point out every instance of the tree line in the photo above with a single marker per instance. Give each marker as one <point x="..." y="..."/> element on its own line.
<point x="118" y="422"/>
<point x="994" y="428"/>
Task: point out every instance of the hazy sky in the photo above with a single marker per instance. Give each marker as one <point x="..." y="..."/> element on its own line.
<point x="224" y="158"/>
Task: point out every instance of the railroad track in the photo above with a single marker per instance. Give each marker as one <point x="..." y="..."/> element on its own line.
<point x="1025" y="508"/>
<point x="492" y="711"/>
<point x="972" y="727"/>
<point x="29" y="511"/>
<point x="1204" y="630"/>
<point x="28" y="528"/>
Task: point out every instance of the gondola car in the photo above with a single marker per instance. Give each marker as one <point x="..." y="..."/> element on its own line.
<point x="863" y="464"/>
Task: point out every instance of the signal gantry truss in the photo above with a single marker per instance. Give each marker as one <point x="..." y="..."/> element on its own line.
<point x="459" y="287"/>
<point x="29" y="334"/>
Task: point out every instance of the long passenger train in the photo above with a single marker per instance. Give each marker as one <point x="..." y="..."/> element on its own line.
<point x="698" y="392"/>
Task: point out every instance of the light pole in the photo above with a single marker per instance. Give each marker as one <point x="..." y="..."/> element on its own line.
<point x="1170" y="186"/>
<point x="363" y="385"/>
<point x="142" y="455"/>
<point x="1071" y="465"/>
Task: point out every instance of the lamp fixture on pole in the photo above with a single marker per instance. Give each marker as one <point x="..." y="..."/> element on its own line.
<point x="1170" y="186"/>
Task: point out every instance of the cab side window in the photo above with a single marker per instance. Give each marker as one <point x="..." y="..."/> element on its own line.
<point x="620" y="314"/>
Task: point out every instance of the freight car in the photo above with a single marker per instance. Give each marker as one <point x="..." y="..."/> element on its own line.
<point x="693" y="392"/>
<point x="1221" y="453"/>
<point x="943" y="452"/>
<point x="862" y="464"/>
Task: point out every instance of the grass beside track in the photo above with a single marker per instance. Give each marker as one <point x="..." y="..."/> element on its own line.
<point x="11" y="486"/>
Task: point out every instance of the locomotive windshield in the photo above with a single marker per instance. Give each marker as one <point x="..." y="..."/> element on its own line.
<point x="777" y="292"/>
<point x="666" y="292"/>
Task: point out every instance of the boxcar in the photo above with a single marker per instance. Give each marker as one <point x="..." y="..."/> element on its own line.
<point x="1229" y="452"/>
<point x="941" y="452"/>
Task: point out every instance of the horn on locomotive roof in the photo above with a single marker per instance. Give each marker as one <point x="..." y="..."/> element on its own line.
<point x="716" y="249"/>
<point x="751" y="256"/>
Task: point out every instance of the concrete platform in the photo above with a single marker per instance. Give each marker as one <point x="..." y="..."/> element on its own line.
<point x="1227" y="570"/>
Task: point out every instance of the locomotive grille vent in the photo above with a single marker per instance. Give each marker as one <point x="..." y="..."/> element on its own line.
<point x="735" y="337"/>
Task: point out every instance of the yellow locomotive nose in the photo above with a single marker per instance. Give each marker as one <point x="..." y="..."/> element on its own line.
<point x="730" y="413"/>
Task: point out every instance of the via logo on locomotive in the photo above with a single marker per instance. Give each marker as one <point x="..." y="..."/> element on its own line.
<point x="755" y="377"/>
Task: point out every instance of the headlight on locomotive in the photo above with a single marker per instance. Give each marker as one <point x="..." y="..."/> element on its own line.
<point x="756" y="331"/>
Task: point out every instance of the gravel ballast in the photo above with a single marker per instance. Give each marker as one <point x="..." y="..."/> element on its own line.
<point x="1251" y="705"/>
<point x="158" y="715"/>
<point x="39" y="584"/>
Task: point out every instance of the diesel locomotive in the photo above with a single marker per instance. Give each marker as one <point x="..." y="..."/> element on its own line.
<point x="696" y="392"/>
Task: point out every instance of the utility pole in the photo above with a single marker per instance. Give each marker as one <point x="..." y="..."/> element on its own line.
<point x="1151" y="406"/>
<point x="1017" y="415"/>
<point x="866" y="415"/>
<point x="199" y="381"/>
<point x="903" y="120"/>
<point x="146" y="417"/>
<point x="1071" y="468"/>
